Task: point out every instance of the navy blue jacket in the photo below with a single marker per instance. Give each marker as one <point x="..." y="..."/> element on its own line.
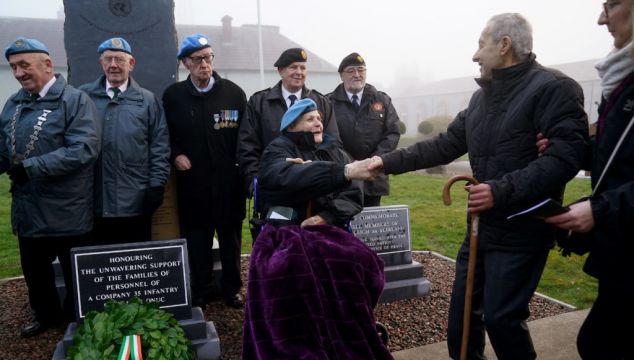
<point x="135" y="148"/>
<point x="58" y="198"/>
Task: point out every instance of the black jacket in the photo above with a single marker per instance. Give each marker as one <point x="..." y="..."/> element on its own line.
<point x="613" y="202"/>
<point x="204" y="128"/>
<point x="262" y="120"/>
<point x="282" y="183"/>
<point x="498" y="130"/>
<point x="373" y="130"/>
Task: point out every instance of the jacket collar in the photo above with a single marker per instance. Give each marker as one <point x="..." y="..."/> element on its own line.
<point x="507" y="77"/>
<point x="304" y="140"/>
<point x="339" y="93"/>
<point x="98" y="89"/>
<point x="276" y="92"/>
<point x="53" y="94"/>
<point x="194" y="92"/>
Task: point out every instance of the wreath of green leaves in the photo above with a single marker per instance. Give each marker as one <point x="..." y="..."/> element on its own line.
<point x="100" y="335"/>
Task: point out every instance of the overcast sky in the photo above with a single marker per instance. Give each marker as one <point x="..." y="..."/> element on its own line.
<point x="399" y="39"/>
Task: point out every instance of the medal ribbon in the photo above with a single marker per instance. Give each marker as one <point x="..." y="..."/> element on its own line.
<point x="130" y="348"/>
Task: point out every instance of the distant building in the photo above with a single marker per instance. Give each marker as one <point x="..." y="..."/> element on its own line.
<point x="236" y="48"/>
<point x="448" y="97"/>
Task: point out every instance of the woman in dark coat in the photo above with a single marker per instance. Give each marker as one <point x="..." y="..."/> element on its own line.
<point x="609" y="213"/>
<point x="312" y="285"/>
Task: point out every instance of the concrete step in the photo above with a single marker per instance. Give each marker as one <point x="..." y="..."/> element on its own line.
<point x="554" y="338"/>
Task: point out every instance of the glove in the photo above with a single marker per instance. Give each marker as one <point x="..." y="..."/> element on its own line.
<point x="18" y="174"/>
<point x="152" y="199"/>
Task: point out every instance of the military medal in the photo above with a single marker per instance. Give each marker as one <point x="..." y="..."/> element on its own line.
<point x="226" y="118"/>
<point x="234" y="118"/>
<point x="216" y="119"/>
<point x="377" y="106"/>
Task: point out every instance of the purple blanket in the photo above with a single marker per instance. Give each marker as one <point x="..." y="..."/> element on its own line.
<point x="311" y="294"/>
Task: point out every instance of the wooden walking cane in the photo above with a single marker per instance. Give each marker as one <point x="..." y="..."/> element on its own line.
<point x="473" y="251"/>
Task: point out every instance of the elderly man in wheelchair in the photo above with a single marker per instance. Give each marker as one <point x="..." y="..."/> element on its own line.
<point x="312" y="284"/>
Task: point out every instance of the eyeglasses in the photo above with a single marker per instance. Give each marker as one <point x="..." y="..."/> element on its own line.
<point x="196" y="60"/>
<point x="119" y="60"/>
<point x="609" y="6"/>
<point x="351" y="70"/>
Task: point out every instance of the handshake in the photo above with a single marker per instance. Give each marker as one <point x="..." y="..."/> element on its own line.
<point x="367" y="169"/>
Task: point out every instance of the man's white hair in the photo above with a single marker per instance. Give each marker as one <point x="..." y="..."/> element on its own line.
<point x="516" y="27"/>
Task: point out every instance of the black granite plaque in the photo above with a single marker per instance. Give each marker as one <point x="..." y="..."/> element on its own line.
<point x="385" y="229"/>
<point x="155" y="271"/>
<point x="148" y="25"/>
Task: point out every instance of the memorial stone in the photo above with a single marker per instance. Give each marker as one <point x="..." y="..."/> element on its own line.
<point x="147" y="25"/>
<point x="385" y="229"/>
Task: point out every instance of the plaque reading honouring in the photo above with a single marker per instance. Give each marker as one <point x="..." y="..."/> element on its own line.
<point x="155" y="271"/>
<point x="385" y="229"/>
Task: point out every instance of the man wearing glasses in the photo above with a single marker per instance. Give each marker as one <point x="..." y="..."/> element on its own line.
<point x="133" y="165"/>
<point x="368" y="123"/>
<point x="266" y="108"/>
<point x="203" y="114"/>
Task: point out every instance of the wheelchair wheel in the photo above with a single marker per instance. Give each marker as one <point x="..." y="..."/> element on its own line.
<point x="383" y="334"/>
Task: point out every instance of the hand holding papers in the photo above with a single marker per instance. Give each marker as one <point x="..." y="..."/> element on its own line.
<point x="544" y="209"/>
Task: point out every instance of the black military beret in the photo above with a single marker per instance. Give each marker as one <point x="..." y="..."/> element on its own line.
<point x="352" y="59"/>
<point x="290" y="56"/>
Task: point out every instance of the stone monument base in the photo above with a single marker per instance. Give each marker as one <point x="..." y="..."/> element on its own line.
<point x="404" y="281"/>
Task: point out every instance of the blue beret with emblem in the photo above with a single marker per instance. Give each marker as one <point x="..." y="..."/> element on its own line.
<point x="22" y="45"/>
<point x="115" y="44"/>
<point x="191" y="44"/>
<point x="298" y="109"/>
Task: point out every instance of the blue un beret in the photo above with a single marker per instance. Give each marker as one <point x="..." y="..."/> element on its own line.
<point x="22" y="45"/>
<point x="191" y="44"/>
<point x="115" y="44"/>
<point x="298" y="109"/>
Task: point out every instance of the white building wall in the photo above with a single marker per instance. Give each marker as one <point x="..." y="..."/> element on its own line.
<point x="9" y="85"/>
<point x="414" y="109"/>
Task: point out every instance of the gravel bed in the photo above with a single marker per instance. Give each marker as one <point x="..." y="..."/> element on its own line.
<point x="410" y="323"/>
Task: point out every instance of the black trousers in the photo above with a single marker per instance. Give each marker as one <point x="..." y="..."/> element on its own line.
<point x="36" y="257"/>
<point x="119" y="230"/>
<point x="606" y="334"/>
<point x="369" y="200"/>
<point x="504" y="283"/>
<point x="199" y="248"/>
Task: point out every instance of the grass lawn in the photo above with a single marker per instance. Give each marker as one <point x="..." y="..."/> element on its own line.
<point x="433" y="226"/>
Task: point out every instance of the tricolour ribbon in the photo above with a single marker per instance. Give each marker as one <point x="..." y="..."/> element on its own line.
<point x="130" y="348"/>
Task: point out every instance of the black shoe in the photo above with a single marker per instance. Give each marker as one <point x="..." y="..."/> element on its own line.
<point x="235" y="301"/>
<point x="33" y="328"/>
